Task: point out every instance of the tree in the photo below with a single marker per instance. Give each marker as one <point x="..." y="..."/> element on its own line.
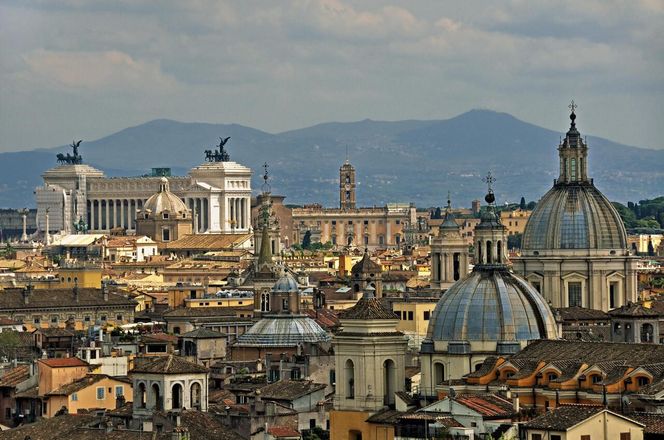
<point x="531" y="205"/>
<point x="514" y="241"/>
<point x="306" y="240"/>
<point x="438" y="213"/>
<point x="523" y="205"/>
<point x="9" y="343"/>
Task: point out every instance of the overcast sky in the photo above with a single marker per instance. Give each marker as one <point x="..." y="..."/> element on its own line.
<point x="87" y="68"/>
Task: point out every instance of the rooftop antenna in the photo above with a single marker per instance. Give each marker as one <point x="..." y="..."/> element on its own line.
<point x="347" y="158"/>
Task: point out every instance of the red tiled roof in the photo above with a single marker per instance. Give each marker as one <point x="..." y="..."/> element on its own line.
<point x="63" y="362"/>
<point x="283" y="431"/>
<point x="488" y="406"/>
<point x="15" y="376"/>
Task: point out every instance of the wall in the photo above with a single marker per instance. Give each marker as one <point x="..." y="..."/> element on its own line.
<point x="52" y="378"/>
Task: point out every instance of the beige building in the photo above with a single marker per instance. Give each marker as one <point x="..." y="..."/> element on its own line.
<point x="583" y="422"/>
<point x="376" y="227"/>
<point x="574" y="249"/>
<point x="370" y="359"/>
<point x="515" y="220"/>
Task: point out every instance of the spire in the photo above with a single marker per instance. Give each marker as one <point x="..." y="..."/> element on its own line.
<point x="449" y="222"/>
<point x="265" y="255"/>
<point x="573" y="153"/>
<point x="489" y="217"/>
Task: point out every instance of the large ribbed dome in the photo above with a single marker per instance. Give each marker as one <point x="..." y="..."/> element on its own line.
<point x="164" y="201"/>
<point x="574" y="216"/>
<point x="491" y="304"/>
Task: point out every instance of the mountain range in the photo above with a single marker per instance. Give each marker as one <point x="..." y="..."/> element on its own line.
<point x="401" y="161"/>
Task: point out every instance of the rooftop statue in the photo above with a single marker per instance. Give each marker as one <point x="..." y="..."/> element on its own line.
<point x="218" y="156"/>
<point x="74" y="159"/>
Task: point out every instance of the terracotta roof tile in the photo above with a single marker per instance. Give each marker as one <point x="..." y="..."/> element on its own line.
<point x="367" y="308"/>
<point x="64" y="362"/>
<point x="564" y="417"/>
<point x="283" y="431"/>
<point x="166" y="365"/>
<point x="15" y="376"/>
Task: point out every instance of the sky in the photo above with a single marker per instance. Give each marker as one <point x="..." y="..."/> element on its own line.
<point x="87" y="68"/>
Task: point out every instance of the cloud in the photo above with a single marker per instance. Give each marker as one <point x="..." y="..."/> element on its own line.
<point x="107" y="71"/>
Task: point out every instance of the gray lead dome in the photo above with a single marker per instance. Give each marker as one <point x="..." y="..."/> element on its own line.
<point x="491" y="305"/>
<point x="574" y="216"/>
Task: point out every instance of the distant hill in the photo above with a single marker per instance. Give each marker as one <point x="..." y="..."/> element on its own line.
<point x="402" y="161"/>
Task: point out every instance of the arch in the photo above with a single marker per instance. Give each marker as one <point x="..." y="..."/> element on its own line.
<point x="438" y="373"/>
<point x="155" y="398"/>
<point x="489" y="252"/>
<point x="349" y="240"/>
<point x="195" y="395"/>
<point x="479" y="252"/>
<point x="647" y="332"/>
<point x="389" y="381"/>
<point x="350" y="379"/>
<point x="141" y="395"/>
<point x="176" y="396"/>
<point x="499" y="252"/>
<point x="456" y="263"/>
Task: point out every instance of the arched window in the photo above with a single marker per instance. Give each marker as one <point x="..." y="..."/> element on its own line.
<point x="389" y="381"/>
<point x="489" y="252"/>
<point x="349" y="240"/>
<point x="479" y="253"/>
<point x="350" y="379"/>
<point x="195" y="395"/>
<point x="551" y="377"/>
<point x="438" y="373"/>
<point x="176" y="392"/>
<point x="141" y="395"/>
<point x="457" y="266"/>
<point x="572" y="169"/>
<point x="647" y="332"/>
<point x="155" y="401"/>
<point x="499" y="252"/>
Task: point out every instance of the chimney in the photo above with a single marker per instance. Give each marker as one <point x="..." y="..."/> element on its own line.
<point x="27" y="290"/>
<point x="516" y="403"/>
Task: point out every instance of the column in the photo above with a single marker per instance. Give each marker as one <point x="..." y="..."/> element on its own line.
<point x="122" y="213"/>
<point x="108" y="214"/>
<point x="91" y="224"/>
<point x="388" y="232"/>
<point x="100" y="217"/>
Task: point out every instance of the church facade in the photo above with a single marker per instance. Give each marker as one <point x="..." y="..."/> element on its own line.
<point x="574" y="249"/>
<point x="218" y="193"/>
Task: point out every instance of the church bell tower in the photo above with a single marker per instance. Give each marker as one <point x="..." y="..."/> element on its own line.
<point x="347" y="186"/>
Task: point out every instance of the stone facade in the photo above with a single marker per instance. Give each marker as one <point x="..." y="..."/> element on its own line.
<point x="217" y="193"/>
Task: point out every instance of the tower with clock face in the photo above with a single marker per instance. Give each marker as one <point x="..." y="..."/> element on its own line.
<point x="347" y="186"/>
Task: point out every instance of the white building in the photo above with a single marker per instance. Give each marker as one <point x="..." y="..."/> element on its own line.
<point x="218" y="194"/>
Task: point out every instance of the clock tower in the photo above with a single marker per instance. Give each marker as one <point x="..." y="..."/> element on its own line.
<point x="347" y="186"/>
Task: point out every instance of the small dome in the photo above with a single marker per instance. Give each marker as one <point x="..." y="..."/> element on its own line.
<point x="574" y="216"/>
<point x="164" y="201"/>
<point x="491" y="305"/>
<point x="365" y="265"/>
<point x="285" y="284"/>
<point x="280" y="331"/>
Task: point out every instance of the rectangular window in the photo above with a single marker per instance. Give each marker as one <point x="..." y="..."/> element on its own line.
<point x="613" y="295"/>
<point x="410" y="316"/>
<point x="574" y="294"/>
<point x="103" y="317"/>
<point x="165" y="234"/>
<point x="585" y="437"/>
<point x="54" y="319"/>
<point x="625" y="436"/>
<point x="426" y="315"/>
<point x="119" y="391"/>
<point x="312" y="423"/>
<point x="86" y="319"/>
<point x="118" y="317"/>
<point x="74" y="397"/>
<point x="8" y="413"/>
<point x="537" y="286"/>
<point x="535" y="436"/>
<point x="555" y="437"/>
<point x="36" y="320"/>
<point x="101" y="393"/>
